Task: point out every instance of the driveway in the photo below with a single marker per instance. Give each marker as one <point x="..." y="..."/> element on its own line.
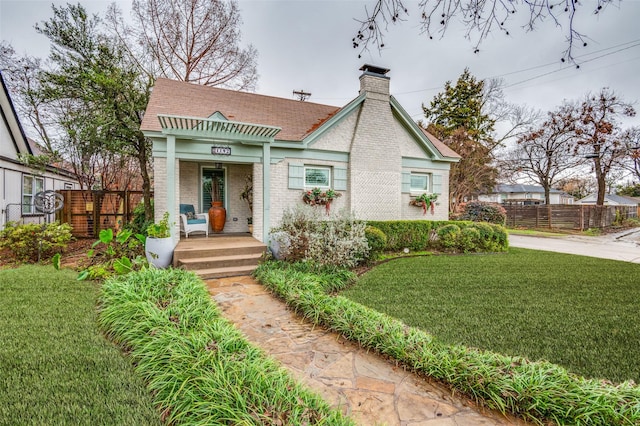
<point x="624" y="246"/>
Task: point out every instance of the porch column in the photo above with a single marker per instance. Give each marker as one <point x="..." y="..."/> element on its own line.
<point x="171" y="184"/>
<point x="266" y="193"/>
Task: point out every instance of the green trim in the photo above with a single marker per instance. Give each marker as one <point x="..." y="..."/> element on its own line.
<point x="198" y="127"/>
<point x="337" y="118"/>
<point x="311" y="154"/>
<point x="436" y="184"/>
<point x="424" y="163"/>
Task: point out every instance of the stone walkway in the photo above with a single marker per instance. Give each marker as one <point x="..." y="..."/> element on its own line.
<point x="371" y="390"/>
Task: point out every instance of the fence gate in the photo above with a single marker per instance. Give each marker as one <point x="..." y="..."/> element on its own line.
<point x="89" y="212"/>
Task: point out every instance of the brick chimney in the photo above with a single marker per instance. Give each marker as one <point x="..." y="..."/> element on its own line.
<point x="374" y="82"/>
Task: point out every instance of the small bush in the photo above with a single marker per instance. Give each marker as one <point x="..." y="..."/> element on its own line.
<point x="468" y="240"/>
<point x="448" y="236"/>
<point x="337" y="240"/>
<point x="481" y="211"/>
<point x="139" y="223"/>
<point x="376" y="239"/>
<point x="31" y="242"/>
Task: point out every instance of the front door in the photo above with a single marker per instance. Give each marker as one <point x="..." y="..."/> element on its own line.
<point x="213" y="185"/>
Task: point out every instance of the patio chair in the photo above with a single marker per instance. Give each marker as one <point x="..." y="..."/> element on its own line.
<point x="190" y="221"/>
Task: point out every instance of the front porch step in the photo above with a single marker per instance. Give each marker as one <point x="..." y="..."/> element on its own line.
<point x="219" y="257"/>
<point x="212" y="262"/>
<point x="207" y="274"/>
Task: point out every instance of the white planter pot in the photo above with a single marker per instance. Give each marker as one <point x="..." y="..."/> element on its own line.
<point x="159" y="251"/>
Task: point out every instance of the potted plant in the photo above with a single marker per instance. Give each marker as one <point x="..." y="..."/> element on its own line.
<point x="159" y="246"/>
<point x="247" y="195"/>
<point x="217" y="212"/>
<point x="425" y="200"/>
<point x="318" y="197"/>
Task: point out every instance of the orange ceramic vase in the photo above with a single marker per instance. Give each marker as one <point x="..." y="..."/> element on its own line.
<point x="217" y="216"/>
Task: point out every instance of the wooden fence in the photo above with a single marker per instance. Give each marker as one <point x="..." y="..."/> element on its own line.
<point x="567" y="216"/>
<point x="89" y="212"/>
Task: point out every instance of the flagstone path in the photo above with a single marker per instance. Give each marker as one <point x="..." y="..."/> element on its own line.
<point x="368" y="388"/>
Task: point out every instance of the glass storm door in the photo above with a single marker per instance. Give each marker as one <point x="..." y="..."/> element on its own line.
<point x="213" y="183"/>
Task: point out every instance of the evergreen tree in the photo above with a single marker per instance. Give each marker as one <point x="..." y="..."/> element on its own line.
<point x="457" y="117"/>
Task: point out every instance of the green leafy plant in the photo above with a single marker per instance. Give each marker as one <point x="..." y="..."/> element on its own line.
<point x="318" y="197"/>
<point x="161" y="229"/>
<point x="139" y="224"/>
<point x="114" y="255"/>
<point x="200" y="368"/>
<point x="31" y="242"/>
<point x="376" y="239"/>
<point x="426" y="201"/>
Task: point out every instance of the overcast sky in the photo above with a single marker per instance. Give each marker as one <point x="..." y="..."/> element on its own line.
<point x="306" y="44"/>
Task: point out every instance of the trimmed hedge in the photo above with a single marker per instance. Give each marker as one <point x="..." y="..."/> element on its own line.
<point x="537" y="391"/>
<point x="419" y="235"/>
<point x="198" y="367"/>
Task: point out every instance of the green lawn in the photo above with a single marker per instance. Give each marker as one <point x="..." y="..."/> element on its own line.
<point x="55" y="366"/>
<point x="579" y="312"/>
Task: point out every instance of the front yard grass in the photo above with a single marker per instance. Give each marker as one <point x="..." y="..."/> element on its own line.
<point x="55" y="366"/>
<point x="575" y="311"/>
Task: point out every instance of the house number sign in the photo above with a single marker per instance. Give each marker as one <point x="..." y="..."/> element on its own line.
<point x="221" y="150"/>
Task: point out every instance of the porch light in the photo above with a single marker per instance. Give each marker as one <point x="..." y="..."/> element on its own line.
<point x="217" y="165"/>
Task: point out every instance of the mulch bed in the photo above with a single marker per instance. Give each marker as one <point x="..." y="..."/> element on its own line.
<point x="73" y="256"/>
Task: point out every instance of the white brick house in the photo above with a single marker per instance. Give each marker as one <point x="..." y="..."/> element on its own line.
<point x="370" y="151"/>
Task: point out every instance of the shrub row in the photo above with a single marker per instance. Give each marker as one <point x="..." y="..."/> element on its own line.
<point x="457" y="236"/>
<point x="538" y="391"/>
<point x="198" y="367"/>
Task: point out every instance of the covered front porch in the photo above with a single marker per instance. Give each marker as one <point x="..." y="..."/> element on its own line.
<point x="219" y="255"/>
<point x="194" y="155"/>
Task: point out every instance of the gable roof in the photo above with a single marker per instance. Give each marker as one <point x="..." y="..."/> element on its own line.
<point x="440" y="146"/>
<point x="297" y="119"/>
<point x="10" y="118"/>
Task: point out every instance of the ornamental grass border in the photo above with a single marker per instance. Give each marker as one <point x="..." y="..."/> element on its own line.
<point x="536" y="391"/>
<point x="198" y="367"/>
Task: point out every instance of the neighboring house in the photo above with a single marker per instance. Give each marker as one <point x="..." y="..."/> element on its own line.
<point x="370" y="151"/>
<point x="525" y="195"/>
<point x="19" y="184"/>
<point x="611" y="200"/>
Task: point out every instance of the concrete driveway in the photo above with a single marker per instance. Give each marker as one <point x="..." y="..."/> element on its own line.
<point x="624" y="246"/>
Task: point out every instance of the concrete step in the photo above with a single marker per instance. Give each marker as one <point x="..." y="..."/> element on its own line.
<point x="199" y="251"/>
<point x="232" y="271"/>
<point x="212" y="262"/>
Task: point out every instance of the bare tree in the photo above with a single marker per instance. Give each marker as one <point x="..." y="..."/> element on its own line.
<point x="190" y="40"/>
<point x="480" y="17"/>
<point x="599" y="136"/>
<point x="546" y="152"/>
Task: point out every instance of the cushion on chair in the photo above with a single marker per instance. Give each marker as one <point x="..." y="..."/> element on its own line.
<point x="187" y="208"/>
<point x="195" y="221"/>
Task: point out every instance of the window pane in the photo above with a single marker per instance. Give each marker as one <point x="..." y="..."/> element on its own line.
<point x="419" y="182"/>
<point x="317" y="177"/>
<point x="39" y="185"/>
<point x="27" y="185"/>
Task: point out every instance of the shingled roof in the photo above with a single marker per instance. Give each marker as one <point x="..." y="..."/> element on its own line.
<point x="297" y="119"/>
